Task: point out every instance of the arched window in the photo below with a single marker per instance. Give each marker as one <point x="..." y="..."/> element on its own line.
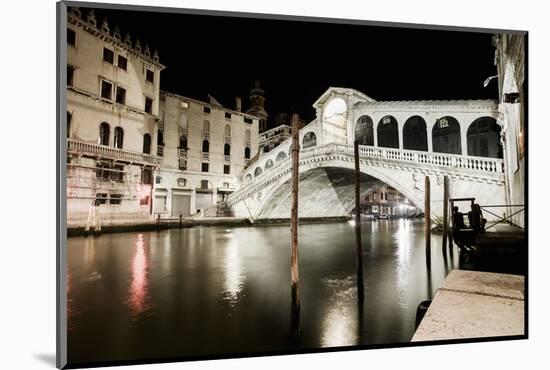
<point x="227" y="131"/>
<point x="483" y="137"/>
<point x="160" y="138"/>
<point x="104" y="131"/>
<point x="206" y="126"/>
<point x="248" y="179"/>
<point x="281" y="156"/>
<point x="119" y="137"/>
<point x="414" y="134"/>
<point x="247" y="153"/>
<point x="183" y="142"/>
<point x="147" y="144"/>
<point x="268" y="164"/>
<point x="205" y="146"/>
<point x="69" y="118"/>
<point x="388" y="133"/>
<point x="309" y="140"/>
<point x="227" y="149"/>
<point x="257" y="171"/>
<point x="247" y="135"/>
<point x="446" y="136"/>
<point x="364" y="131"/>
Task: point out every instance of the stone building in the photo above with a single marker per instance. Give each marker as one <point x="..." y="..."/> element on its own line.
<point x="203" y="150"/>
<point x="271" y="138"/>
<point x="385" y="200"/>
<point x="112" y="111"/>
<point x="510" y="62"/>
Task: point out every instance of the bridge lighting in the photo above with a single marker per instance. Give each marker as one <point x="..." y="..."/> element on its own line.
<point x="488" y="79"/>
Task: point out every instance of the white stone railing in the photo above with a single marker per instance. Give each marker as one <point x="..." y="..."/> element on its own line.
<point x="109" y="152"/>
<point x="420" y="158"/>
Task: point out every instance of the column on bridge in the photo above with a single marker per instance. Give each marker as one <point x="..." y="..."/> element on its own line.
<point x="464" y="139"/>
<point x="429" y="136"/>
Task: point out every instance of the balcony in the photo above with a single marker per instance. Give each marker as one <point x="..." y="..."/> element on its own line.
<point x="205" y="155"/>
<point x="205" y="134"/>
<point x="227" y="158"/>
<point x="182" y="153"/>
<point x="103" y="151"/>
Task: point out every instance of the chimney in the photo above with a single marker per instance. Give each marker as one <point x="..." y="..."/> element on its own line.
<point x="238" y="103"/>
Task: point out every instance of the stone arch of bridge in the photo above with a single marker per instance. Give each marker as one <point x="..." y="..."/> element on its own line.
<point x="369" y="175"/>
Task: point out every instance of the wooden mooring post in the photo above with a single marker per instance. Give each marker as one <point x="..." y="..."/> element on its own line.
<point x="360" y="286"/>
<point x="445" y="213"/>
<point x="428" y="221"/>
<point x="294" y="275"/>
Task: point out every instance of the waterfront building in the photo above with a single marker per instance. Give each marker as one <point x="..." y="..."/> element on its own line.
<point x="203" y="150"/>
<point x="510" y="62"/>
<point x="271" y="138"/>
<point x="385" y="200"/>
<point x="112" y="112"/>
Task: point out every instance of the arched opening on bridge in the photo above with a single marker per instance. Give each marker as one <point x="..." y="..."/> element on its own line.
<point x="388" y="133"/>
<point x="280" y="157"/>
<point x="483" y="137"/>
<point x="335" y="115"/>
<point x="248" y="179"/>
<point x="268" y="164"/>
<point x="364" y="131"/>
<point x="309" y="140"/>
<point x="414" y="134"/>
<point x="257" y="171"/>
<point x="446" y="136"/>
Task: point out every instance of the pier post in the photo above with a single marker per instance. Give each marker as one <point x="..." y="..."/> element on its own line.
<point x="360" y="287"/>
<point x="181" y="220"/>
<point x="294" y="276"/>
<point x="445" y="212"/>
<point x="428" y="221"/>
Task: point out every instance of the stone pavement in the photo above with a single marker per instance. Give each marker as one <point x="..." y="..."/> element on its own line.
<point x="472" y="304"/>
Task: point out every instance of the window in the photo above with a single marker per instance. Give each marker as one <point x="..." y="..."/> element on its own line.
<point x="184" y="104"/>
<point x="227" y="115"/>
<point x="147" y="144"/>
<point x="108" y="55"/>
<point x="247" y="135"/>
<point x="104" y="131"/>
<point x="119" y="137"/>
<point x="144" y="201"/>
<point x="227" y="131"/>
<point x="182" y="182"/>
<point x="158" y="180"/>
<point x="204" y="184"/>
<point x="117" y="173"/>
<point x="149" y="105"/>
<point x="205" y="146"/>
<point x="247" y="120"/>
<point x="103" y="171"/>
<point x="247" y="153"/>
<point x="69" y="118"/>
<point x="70" y="75"/>
<point x="227" y="149"/>
<point x="71" y="37"/>
<point x="122" y="62"/>
<point x="182" y="164"/>
<point x="101" y="198"/>
<point x="120" y="95"/>
<point x="115" y="199"/>
<point x="149" y="76"/>
<point x="204" y="167"/>
<point x="226" y="169"/>
<point x="147" y="176"/>
<point x="206" y="109"/>
<point x="183" y="142"/>
<point x="106" y="90"/>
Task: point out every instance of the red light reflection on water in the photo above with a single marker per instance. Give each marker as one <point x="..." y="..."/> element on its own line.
<point x="139" y="300"/>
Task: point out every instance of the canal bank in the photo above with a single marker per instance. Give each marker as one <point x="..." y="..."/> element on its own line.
<point x="175" y="223"/>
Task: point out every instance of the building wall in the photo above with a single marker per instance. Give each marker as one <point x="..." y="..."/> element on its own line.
<point x="185" y="116"/>
<point x="128" y="198"/>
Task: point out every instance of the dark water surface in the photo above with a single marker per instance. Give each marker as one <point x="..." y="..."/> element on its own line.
<point x="217" y="290"/>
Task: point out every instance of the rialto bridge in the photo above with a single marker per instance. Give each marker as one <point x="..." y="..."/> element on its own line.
<point x="401" y="142"/>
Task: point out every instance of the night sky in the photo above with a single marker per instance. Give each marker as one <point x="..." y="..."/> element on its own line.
<point x="297" y="61"/>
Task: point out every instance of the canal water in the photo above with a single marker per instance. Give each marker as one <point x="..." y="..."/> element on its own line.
<point x="217" y="290"/>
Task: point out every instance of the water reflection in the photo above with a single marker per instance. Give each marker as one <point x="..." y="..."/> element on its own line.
<point x="234" y="277"/>
<point x="404" y="242"/>
<point x="339" y="327"/>
<point x="139" y="299"/>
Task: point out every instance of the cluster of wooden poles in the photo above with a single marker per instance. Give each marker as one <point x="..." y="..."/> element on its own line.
<point x="294" y="275"/>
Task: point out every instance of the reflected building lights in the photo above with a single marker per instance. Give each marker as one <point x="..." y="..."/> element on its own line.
<point x="234" y="277"/>
<point x="139" y="300"/>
